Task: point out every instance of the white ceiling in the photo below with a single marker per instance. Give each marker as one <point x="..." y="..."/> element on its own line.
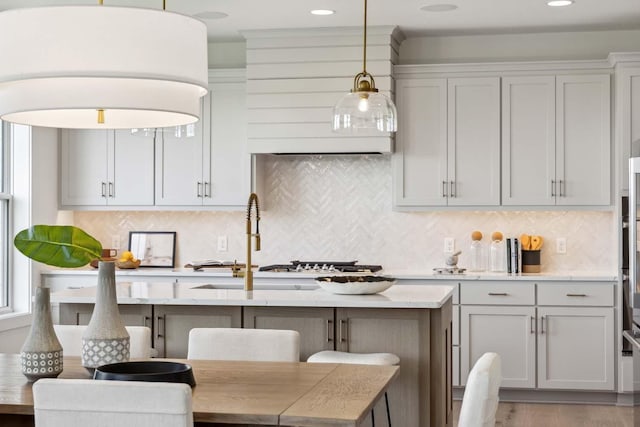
<point x="471" y="16"/>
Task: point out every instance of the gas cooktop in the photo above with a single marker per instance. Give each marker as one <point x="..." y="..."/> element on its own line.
<point x="322" y="266"/>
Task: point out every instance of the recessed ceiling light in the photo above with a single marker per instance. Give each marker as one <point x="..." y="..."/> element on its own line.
<point x="559" y="3"/>
<point x="211" y="15"/>
<point x="439" y="7"/>
<point x="322" y="12"/>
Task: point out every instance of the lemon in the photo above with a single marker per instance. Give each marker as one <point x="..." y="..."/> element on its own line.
<point x="126" y="256"/>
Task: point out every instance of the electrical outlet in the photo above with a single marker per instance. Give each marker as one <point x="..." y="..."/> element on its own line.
<point x="222" y="243"/>
<point x="115" y="242"/>
<point x="561" y="245"/>
<point x="449" y="245"/>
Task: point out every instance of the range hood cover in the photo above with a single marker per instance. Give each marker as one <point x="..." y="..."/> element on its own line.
<point x="295" y="77"/>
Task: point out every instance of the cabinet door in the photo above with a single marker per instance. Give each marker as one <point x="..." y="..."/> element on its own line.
<point x="179" y="162"/>
<point x="131" y="170"/>
<point x="583" y="140"/>
<point x="401" y="332"/>
<point x="576" y="348"/>
<point x="420" y="161"/>
<point x="528" y="141"/>
<point x="315" y="325"/>
<point x="228" y="163"/>
<point x="473" y="160"/>
<point x="80" y="314"/>
<point x="83" y="167"/>
<point x="173" y="323"/>
<point x="506" y="330"/>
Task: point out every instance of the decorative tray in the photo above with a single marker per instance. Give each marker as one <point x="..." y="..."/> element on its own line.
<point x="355" y="285"/>
<point x="152" y="371"/>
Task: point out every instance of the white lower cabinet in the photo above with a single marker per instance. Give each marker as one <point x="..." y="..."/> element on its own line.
<point x="576" y="348"/>
<point x="506" y="330"/>
<point x="565" y="342"/>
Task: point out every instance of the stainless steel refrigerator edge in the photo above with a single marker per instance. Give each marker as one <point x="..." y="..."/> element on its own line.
<point x="631" y="292"/>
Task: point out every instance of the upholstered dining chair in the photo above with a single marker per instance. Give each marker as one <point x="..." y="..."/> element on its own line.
<point x="265" y="345"/>
<point x="70" y="336"/>
<point x="82" y="403"/>
<point x="480" y="399"/>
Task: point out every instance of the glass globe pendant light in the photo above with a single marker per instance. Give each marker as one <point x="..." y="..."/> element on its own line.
<point x="364" y="109"/>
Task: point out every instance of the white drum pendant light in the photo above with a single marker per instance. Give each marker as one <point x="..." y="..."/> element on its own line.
<point x="91" y="67"/>
<point x="364" y="109"/>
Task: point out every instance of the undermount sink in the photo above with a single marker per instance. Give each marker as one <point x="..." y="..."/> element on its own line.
<point x="263" y="287"/>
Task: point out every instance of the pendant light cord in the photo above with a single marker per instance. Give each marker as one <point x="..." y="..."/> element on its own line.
<point x="364" y="55"/>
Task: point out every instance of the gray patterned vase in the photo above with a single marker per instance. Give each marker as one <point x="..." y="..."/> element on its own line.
<point x="105" y="340"/>
<point x="41" y="353"/>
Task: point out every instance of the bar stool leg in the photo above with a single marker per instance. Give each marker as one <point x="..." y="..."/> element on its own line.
<point x="373" y="419"/>
<point x="386" y="401"/>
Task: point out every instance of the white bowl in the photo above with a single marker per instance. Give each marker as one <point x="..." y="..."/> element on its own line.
<point x="356" y="285"/>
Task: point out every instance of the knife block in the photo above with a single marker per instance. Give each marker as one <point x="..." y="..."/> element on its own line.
<point x="531" y="261"/>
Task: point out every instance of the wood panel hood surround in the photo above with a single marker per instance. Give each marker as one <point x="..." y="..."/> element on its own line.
<point x="295" y="77"/>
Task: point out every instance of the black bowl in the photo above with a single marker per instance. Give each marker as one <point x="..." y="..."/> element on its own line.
<point x="152" y="371"/>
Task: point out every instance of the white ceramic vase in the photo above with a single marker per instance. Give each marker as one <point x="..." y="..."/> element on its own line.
<point x="106" y="339"/>
<point x="41" y="353"/>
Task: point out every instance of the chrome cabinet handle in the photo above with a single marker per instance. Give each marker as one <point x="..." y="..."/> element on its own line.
<point x="145" y="320"/>
<point x="533" y="322"/>
<point x="199" y="189"/>
<point x="553" y="188"/>
<point x="542" y="325"/>
<point x="561" y="194"/>
<point x="207" y="186"/>
<point x="452" y="189"/>
<point x="498" y="294"/>
<point x="110" y="189"/>
<point x="164" y="327"/>
<point x="342" y="332"/>
<point x="104" y="189"/>
<point x="329" y="330"/>
<point x="444" y="189"/>
<point x="576" y="295"/>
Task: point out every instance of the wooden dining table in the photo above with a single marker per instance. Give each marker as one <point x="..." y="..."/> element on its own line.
<point x="239" y="392"/>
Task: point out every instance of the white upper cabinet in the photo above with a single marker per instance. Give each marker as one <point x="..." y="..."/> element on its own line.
<point x="448" y="142"/>
<point x="105" y="168"/>
<point x="213" y="168"/>
<point x="556" y="147"/>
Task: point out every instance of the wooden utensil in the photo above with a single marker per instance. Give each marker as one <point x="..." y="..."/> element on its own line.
<point x="525" y="242"/>
<point x="536" y="243"/>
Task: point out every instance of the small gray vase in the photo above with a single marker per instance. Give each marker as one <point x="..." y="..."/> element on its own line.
<point x="41" y="353"/>
<point x="105" y="340"/>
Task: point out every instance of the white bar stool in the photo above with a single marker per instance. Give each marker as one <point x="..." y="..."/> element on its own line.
<point x="383" y="359"/>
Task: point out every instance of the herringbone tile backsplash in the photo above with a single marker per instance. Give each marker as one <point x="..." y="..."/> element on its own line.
<point x="340" y="208"/>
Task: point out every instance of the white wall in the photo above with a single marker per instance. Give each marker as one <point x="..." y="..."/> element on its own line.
<point x="480" y="48"/>
<point x="518" y="47"/>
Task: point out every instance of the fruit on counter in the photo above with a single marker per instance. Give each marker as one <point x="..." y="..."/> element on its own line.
<point x="127" y="256"/>
<point x="476" y="235"/>
<point x="496" y="236"/>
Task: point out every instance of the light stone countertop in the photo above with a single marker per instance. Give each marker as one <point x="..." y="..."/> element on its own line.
<point x="414" y="274"/>
<point x="406" y="296"/>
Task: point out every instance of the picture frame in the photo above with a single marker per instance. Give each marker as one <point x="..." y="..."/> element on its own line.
<point x="154" y="248"/>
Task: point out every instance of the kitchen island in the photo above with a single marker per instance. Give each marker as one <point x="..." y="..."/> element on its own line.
<point x="413" y="322"/>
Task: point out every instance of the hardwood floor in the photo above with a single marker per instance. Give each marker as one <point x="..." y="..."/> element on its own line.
<point x="558" y="415"/>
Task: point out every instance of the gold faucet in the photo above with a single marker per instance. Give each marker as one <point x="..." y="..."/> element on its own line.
<point x="248" y="273"/>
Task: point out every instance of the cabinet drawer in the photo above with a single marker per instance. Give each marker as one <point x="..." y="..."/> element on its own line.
<point x="497" y="293"/>
<point x="576" y="294"/>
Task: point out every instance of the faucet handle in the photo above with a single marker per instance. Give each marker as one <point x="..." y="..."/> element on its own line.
<point x="257" y="235"/>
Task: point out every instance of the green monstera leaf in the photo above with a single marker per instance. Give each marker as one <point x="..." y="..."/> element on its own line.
<point x="58" y="245"/>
